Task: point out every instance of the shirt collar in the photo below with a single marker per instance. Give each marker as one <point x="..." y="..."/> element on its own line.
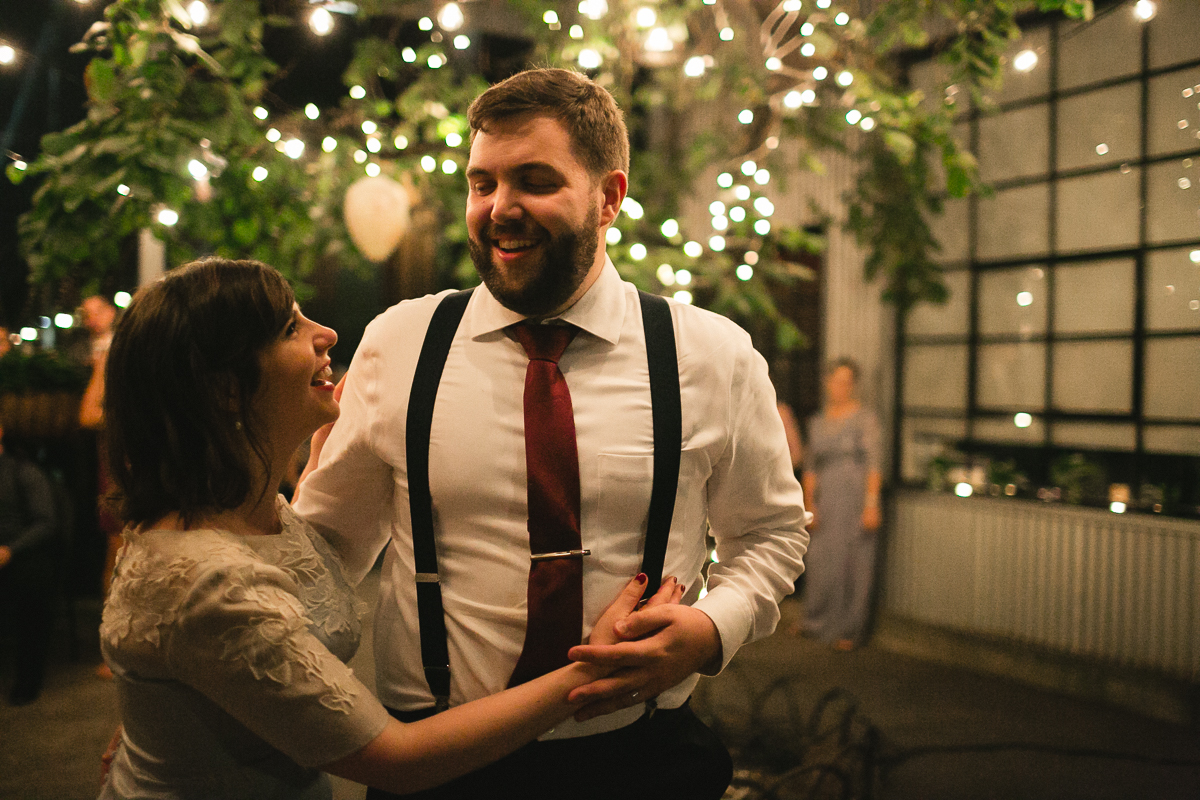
<point x="600" y="312"/>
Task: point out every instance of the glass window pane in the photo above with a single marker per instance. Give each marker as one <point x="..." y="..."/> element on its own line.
<point x="1173" y="201"/>
<point x="950" y="231"/>
<point x="1172" y="119"/>
<point x="924" y="440"/>
<point x="1013" y="301"/>
<point x="1093" y="376"/>
<point x="1173" y="289"/>
<point x="1015" y="223"/>
<point x="1098" y="211"/>
<point x="1100" y="127"/>
<point x="1172" y="383"/>
<point x="1012" y="376"/>
<point x="1015" y="144"/>
<point x="948" y="319"/>
<point x="935" y="376"/>
<point x="1108" y="46"/>
<point x="1173" y="38"/>
<point x="1018" y="85"/>
<point x="1177" y="439"/>
<point x="1006" y="431"/>
<point x="1094" y="298"/>
<point x="1095" y="435"/>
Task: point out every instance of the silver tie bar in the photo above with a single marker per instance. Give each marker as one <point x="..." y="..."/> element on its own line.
<point x="560" y="554"/>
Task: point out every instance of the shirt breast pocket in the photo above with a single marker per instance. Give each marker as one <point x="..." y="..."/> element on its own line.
<point x="623" y="504"/>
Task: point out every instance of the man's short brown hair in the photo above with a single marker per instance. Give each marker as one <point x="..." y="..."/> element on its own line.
<point x="596" y="126"/>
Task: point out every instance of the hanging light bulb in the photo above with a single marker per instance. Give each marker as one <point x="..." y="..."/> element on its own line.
<point x="645" y="17"/>
<point x="198" y="11"/>
<point x="1144" y="10"/>
<point x="7" y="54"/>
<point x="659" y="41"/>
<point x="450" y="17"/>
<point x="590" y="59"/>
<point x="593" y="9"/>
<point x="321" y="21"/>
<point x="1025" y="61"/>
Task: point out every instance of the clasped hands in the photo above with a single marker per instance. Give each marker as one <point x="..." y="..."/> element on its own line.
<point x="648" y="648"/>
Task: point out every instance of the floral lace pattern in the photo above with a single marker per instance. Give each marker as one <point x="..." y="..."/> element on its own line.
<point x="283" y="592"/>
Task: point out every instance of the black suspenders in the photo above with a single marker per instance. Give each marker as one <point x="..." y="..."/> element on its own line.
<point x="668" y="440"/>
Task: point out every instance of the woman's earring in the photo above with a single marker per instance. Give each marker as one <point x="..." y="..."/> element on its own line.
<point x="237" y="424"/>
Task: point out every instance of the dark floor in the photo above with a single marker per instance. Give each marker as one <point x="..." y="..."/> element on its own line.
<point x="864" y="724"/>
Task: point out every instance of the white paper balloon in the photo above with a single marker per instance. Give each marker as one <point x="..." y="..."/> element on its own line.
<point x="376" y="212"/>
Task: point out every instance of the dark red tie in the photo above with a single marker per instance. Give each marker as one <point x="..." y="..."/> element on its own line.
<point x="555" y="594"/>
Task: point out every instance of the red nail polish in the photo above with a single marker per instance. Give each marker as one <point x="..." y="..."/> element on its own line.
<point x="641" y="577"/>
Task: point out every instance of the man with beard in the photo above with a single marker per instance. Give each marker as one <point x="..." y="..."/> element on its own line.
<point x="546" y="178"/>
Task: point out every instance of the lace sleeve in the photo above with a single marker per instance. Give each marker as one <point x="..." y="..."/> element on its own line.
<point x="242" y="638"/>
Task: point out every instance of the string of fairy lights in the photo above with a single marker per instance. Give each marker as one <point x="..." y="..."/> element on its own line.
<point x="809" y="28"/>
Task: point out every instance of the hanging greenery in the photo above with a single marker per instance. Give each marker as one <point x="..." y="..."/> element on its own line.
<point x="725" y="100"/>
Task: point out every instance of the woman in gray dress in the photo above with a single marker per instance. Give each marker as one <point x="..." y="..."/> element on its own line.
<point x="841" y="488"/>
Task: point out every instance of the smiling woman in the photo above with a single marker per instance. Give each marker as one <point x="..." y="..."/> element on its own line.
<point x="230" y="618"/>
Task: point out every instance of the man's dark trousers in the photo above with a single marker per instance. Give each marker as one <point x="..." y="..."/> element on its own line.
<point x="668" y="754"/>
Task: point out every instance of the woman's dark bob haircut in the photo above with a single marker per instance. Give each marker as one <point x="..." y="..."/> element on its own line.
<point x="183" y="365"/>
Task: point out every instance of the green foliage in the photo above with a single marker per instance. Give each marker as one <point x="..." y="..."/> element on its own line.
<point x="39" y="371"/>
<point x="1082" y="480"/>
<point x="162" y="95"/>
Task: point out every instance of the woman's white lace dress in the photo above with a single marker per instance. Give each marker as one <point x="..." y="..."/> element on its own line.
<point x="228" y="653"/>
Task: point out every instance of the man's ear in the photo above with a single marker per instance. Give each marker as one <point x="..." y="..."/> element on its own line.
<point x="613" y="186"/>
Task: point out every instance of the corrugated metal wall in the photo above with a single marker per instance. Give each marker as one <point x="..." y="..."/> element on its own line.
<point x="1123" y="589"/>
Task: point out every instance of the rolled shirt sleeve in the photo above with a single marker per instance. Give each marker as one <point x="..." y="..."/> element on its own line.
<point x="349" y="497"/>
<point x="755" y="510"/>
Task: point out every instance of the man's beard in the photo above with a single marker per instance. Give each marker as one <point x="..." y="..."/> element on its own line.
<point x="538" y="288"/>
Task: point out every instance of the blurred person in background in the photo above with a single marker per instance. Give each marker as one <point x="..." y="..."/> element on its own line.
<point x="841" y="480"/>
<point x="27" y="569"/>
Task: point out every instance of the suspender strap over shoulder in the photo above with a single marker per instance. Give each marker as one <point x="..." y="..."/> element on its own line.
<point x="667" y="414"/>
<point x="435" y="656"/>
<point x="668" y="440"/>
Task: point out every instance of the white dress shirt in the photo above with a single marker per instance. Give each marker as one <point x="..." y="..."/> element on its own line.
<point x="735" y="476"/>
